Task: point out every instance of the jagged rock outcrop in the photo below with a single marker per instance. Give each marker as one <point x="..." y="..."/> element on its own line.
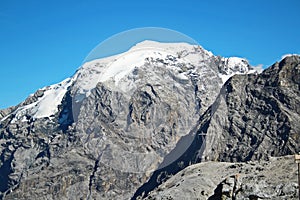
<point x="101" y="133"/>
<point x="31" y="99"/>
<point x="254" y="117"/>
<point x="123" y="125"/>
<point x="273" y="179"/>
<point x="5" y="112"/>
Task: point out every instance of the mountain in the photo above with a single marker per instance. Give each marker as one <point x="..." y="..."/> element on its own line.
<point x="122" y="125"/>
<point x="254" y="117"/>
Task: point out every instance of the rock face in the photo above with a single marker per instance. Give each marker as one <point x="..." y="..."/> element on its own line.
<point x="254" y="117"/>
<point x="101" y="133"/>
<point x="273" y="179"/>
<point x="123" y="125"/>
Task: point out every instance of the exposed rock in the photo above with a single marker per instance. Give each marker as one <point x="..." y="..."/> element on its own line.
<point x="31" y="99"/>
<point x="254" y="117"/>
<point x="6" y="111"/>
<point x="101" y="133"/>
<point x="273" y="179"/>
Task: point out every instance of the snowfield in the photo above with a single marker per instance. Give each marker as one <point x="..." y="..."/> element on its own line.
<point x="115" y="71"/>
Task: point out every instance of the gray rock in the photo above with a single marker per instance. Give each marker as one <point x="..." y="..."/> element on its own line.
<point x="107" y="144"/>
<point x="273" y="179"/>
<point x="256" y="116"/>
<point x="253" y="118"/>
<point x="103" y="141"/>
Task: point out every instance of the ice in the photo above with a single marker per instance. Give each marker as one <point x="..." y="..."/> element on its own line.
<point x="47" y="105"/>
<point x="224" y="77"/>
<point x="116" y="72"/>
<point x="52" y="98"/>
<point x="127" y="62"/>
<point x="233" y="66"/>
<point x="113" y="70"/>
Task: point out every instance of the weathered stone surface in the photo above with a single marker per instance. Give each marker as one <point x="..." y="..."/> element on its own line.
<point x="254" y="117"/>
<point x="273" y="179"/>
<point x="103" y="141"/>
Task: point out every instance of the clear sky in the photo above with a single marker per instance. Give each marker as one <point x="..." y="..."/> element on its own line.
<point x="43" y="42"/>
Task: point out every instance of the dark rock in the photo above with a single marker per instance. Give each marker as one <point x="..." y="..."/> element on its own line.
<point x="253" y="118"/>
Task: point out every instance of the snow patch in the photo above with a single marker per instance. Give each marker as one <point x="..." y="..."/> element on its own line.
<point x="48" y="104"/>
<point x="45" y="106"/>
<point x="113" y="70"/>
<point x="224" y="77"/>
<point x="125" y="64"/>
<point x="235" y="65"/>
<point x="117" y="72"/>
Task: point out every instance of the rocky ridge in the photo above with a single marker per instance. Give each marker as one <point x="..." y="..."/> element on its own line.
<point x="253" y="118"/>
<point x="103" y="132"/>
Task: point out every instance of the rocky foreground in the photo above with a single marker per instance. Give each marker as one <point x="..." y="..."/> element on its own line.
<point x="276" y="178"/>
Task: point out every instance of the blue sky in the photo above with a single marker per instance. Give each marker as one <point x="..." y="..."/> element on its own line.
<point x="43" y="42"/>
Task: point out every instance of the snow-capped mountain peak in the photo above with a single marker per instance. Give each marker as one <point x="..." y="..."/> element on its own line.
<point x="46" y="105"/>
<point x="183" y="60"/>
<point x="235" y="65"/>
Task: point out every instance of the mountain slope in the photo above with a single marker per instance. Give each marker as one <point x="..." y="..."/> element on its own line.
<point x="102" y="132"/>
<point x="262" y="115"/>
<point x="254" y="117"/>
